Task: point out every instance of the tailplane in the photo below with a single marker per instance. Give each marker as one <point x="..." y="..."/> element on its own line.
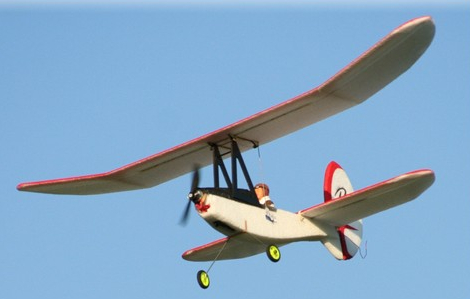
<point x="344" y="242"/>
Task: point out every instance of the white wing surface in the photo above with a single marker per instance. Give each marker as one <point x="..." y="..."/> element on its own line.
<point x="355" y="83"/>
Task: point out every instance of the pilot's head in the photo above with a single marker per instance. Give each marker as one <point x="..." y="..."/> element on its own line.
<point x="261" y="190"/>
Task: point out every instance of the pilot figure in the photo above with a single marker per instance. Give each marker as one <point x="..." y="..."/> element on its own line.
<point x="262" y="192"/>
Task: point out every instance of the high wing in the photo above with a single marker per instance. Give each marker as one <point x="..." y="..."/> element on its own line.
<point x="355" y="83"/>
<point x="372" y="200"/>
<point x="234" y="247"/>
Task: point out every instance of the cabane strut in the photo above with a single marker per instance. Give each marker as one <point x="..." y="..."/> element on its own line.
<point x="236" y="160"/>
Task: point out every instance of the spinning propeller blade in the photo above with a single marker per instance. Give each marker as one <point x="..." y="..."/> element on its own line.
<point x="195" y="180"/>
<point x="185" y="216"/>
<point x="191" y="196"/>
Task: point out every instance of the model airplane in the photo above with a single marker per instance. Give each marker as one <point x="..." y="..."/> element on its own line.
<point x="252" y="227"/>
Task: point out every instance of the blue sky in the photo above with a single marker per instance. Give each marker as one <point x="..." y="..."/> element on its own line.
<point x="89" y="89"/>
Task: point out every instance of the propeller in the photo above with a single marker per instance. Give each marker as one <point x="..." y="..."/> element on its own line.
<point x="193" y="195"/>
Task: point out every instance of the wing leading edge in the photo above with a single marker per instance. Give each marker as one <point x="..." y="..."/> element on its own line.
<point x="373" y="199"/>
<point x="354" y="84"/>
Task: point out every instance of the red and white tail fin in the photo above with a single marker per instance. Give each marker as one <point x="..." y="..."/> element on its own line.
<point x="344" y="243"/>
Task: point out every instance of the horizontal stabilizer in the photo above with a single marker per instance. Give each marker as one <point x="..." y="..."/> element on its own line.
<point x="372" y="200"/>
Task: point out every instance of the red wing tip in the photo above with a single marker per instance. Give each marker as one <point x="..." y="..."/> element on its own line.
<point x="24" y="186"/>
<point x="31" y="186"/>
<point x="417" y="173"/>
<point x="430" y="173"/>
<point x="421" y="19"/>
<point x="186" y="253"/>
<point x="423" y="172"/>
<point x="418" y="20"/>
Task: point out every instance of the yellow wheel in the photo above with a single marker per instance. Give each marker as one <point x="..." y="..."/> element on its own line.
<point x="273" y="253"/>
<point x="203" y="279"/>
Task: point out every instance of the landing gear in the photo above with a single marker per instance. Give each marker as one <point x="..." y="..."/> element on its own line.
<point x="203" y="276"/>
<point x="273" y="253"/>
<point x="203" y="279"/>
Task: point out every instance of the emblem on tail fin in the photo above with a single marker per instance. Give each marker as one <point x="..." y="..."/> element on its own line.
<point x="345" y="243"/>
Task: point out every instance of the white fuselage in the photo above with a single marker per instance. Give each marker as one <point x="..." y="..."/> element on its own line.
<point x="277" y="226"/>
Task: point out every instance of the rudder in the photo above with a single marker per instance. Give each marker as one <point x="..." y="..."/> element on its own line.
<point x="345" y="242"/>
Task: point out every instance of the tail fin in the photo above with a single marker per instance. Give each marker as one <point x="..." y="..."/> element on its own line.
<point x="345" y="241"/>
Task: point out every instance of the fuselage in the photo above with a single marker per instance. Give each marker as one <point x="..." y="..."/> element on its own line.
<point x="265" y="225"/>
